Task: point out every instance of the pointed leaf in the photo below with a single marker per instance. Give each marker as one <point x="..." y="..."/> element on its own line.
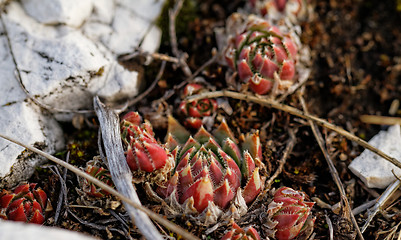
<point x="177" y="130"/>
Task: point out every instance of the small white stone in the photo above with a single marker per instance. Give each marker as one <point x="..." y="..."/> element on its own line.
<point x="70" y="12"/>
<point x="375" y="171"/>
<point x="23" y="231"/>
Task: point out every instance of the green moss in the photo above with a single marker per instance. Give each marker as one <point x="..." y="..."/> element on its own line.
<point x="187" y="14"/>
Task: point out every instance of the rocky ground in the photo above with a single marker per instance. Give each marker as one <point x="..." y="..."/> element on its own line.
<point x="355" y="70"/>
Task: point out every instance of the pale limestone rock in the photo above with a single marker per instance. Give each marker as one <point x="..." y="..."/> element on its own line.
<point x="23" y="231"/>
<point x="24" y="121"/>
<point x="69" y="12"/>
<point x="62" y="67"/>
<point x="126" y="32"/>
<point x="373" y="170"/>
<point x="147" y="9"/>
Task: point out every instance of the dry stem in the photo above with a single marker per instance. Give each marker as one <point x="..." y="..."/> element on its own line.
<point x="153" y="85"/>
<point x="283" y="160"/>
<point x="332" y="168"/>
<point x="291" y="110"/>
<point x="173" y="13"/>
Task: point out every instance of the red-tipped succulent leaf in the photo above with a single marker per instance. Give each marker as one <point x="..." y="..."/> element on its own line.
<point x="263" y="56"/>
<point x="237" y="233"/>
<point x="194" y="111"/>
<point x="144" y="154"/>
<point x="26" y="204"/>
<point x="274" y="9"/>
<point x="291" y="212"/>
<point x="101" y="174"/>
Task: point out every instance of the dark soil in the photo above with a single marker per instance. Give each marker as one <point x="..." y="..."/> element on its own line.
<point x="356" y="49"/>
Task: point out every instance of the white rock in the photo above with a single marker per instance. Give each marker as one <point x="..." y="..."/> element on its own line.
<point x="151" y="42"/>
<point x="52" y="12"/>
<point x="147" y="9"/>
<point x="103" y="11"/>
<point x="373" y="170"/>
<point x="23" y="121"/>
<point x="127" y="31"/>
<point x="62" y="67"/>
<point x="23" y="231"/>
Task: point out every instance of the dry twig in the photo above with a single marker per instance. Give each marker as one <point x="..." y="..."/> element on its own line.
<point x="158" y="56"/>
<point x="380" y="120"/>
<point x="173" y="13"/>
<point x="293" y="111"/>
<point x="330" y="224"/>
<point x="151" y="87"/>
<point x="332" y="168"/>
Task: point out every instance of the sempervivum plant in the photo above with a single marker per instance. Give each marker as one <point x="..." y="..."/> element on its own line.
<point x="237" y="233"/>
<point x="263" y="56"/>
<point x="26" y="204"/>
<point x="275" y="9"/>
<point x="147" y="158"/>
<point x="290" y="213"/>
<point x="213" y="177"/>
<point x="100" y="173"/>
<point x="194" y="111"/>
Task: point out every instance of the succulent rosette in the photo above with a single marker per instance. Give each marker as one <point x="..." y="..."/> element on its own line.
<point x="278" y="9"/>
<point x="213" y="177"/>
<point x="101" y="174"/>
<point x="26" y="204"/>
<point x="194" y="111"/>
<point x="263" y="56"/>
<point x="147" y="159"/>
<point x="289" y="213"/>
<point x="237" y="233"/>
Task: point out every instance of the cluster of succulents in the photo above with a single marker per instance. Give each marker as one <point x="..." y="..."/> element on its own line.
<point x="213" y="179"/>
<point x="194" y="111"/>
<point x="237" y="233"/>
<point x="263" y="56"/>
<point x="101" y="174"/>
<point x="25" y="204"/>
<point x="289" y="214"/>
<point x="145" y="156"/>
